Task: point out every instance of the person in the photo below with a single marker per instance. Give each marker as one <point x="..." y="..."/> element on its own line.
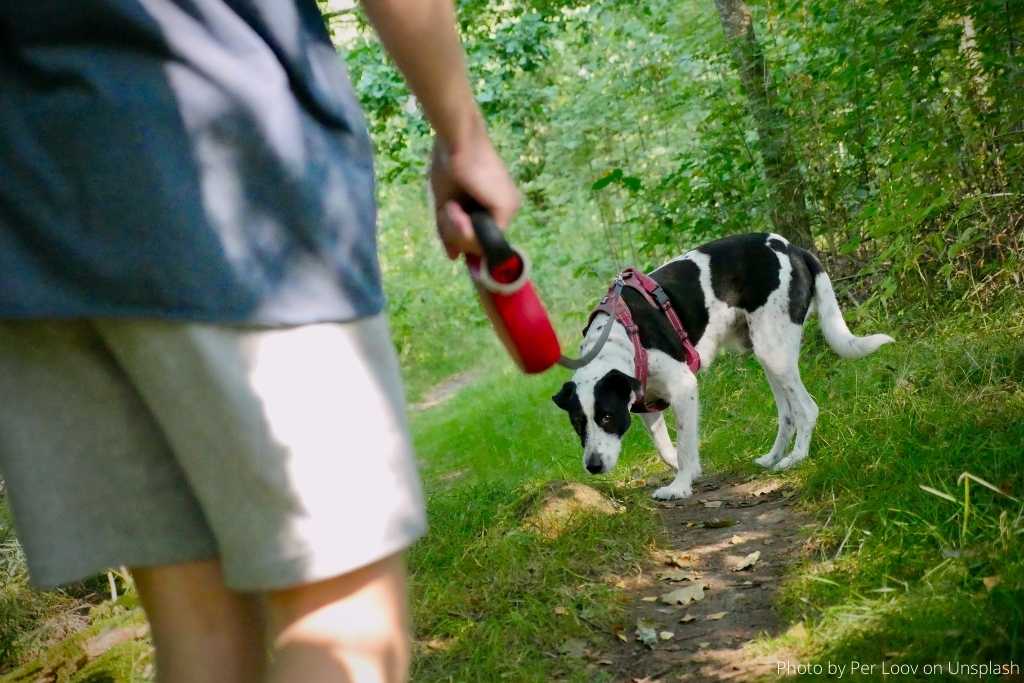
<point x="197" y="379"/>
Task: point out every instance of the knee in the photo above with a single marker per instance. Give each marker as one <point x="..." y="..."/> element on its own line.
<point x="355" y="625"/>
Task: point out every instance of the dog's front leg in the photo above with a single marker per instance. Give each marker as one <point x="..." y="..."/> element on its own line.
<point x="686" y="407"/>
<point x="656" y="427"/>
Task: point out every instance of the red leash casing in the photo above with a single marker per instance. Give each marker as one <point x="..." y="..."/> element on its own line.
<point x="507" y="295"/>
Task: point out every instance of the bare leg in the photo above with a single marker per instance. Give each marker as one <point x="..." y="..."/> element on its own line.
<point x="204" y="632"/>
<point x="687" y="409"/>
<point x="656" y="427"/>
<point x="351" y="628"/>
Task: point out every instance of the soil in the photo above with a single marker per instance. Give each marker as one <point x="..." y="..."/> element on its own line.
<point x="710" y="536"/>
<point x="445" y="391"/>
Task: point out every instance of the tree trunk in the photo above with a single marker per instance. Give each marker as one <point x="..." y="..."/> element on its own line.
<point x="785" y="182"/>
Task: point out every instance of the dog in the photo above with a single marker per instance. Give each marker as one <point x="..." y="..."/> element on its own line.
<point x="749" y="293"/>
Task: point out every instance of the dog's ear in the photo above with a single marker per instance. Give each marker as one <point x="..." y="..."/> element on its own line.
<point x="562" y="398"/>
<point x="625" y="386"/>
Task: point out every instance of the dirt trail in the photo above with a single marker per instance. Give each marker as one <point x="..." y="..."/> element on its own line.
<point x="446" y="390"/>
<point x="729" y="522"/>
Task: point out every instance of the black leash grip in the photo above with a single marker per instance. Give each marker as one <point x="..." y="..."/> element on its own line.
<point x="492" y="240"/>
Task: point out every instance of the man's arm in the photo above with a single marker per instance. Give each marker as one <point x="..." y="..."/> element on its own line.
<point x="420" y="36"/>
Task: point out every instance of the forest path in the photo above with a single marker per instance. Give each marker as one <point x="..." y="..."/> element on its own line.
<point x="445" y="390"/>
<point x="734" y="538"/>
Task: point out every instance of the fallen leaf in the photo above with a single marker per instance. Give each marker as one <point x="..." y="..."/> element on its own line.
<point x="646" y="633"/>
<point x="712" y="503"/>
<point x="666" y="635"/>
<point x="561" y="611"/>
<point x="677" y="559"/>
<point x="748" y="561"/>
<point x="650" y="598"/>
<point x="684" y="596"/>
<point x="687" y="618"/>
<point x="715" y="616"/>
<point x="677" y="575"/>
<point x="574" y="647"/>
<point x="992" y="581"/>
<point x="735" y="539"/>
<point x="703" y="644"/>
<point x="437" y="644"/>
<point x="621" y="635"/>
<point x="605" y="662"/>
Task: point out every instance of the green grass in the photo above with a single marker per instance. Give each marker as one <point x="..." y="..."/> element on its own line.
<point x="486" y="586"/>
<point x="898" y="572"/>
<point x="893" y="572"/>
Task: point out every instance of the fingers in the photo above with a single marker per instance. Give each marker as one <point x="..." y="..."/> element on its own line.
<point x="478" y="173"/>
<point x="456" y="230"/>
<point x="505" y="207"/>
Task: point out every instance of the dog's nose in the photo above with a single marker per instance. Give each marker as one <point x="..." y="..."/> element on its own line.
<point x="595" y="466"/>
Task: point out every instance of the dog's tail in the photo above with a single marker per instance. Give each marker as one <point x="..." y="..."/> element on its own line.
<point x="837" y="334"/>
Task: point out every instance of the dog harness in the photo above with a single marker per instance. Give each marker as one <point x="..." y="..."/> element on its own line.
<point x="615" y="307"/>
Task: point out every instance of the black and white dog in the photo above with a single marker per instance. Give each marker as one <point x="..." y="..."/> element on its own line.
<point x="746" y="292"/>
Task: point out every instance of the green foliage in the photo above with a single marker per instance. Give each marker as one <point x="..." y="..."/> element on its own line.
<point x="628" y="131"/>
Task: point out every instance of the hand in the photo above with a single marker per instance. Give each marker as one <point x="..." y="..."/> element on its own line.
<point x="474" y="170"/>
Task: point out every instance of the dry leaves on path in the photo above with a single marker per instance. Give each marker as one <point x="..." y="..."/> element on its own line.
<point x="678" y="575"/>
<point x="748" y="561"/>
<point x="684" y="596"/>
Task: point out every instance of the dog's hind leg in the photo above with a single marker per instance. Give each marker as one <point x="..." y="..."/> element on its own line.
<point x="787" y="426"/>
<point x="777" y="347"/>
<point x="656" y="427"/>
<point x="806" y="413"/>
<point x="805" y="410"/>
<point x="686" y="407"/>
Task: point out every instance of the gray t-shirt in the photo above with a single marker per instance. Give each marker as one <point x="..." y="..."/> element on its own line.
<point x="187" y="159"/>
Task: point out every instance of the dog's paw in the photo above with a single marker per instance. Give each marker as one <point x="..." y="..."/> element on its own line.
<point x="787" y="462"/>
<point x="767" y="460"/>
<point x="673" y="492"/>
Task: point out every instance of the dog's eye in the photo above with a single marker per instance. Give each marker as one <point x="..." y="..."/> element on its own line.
<point x="605" y="420"/>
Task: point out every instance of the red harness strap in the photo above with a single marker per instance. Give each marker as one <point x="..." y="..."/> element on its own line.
<point x="613" y="305"/>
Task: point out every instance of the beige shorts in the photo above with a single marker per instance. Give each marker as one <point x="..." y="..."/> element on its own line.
<point x="284" y="452"/>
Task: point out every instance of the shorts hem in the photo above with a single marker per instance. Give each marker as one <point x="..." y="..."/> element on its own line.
<point x="312" y="567"/>
<point x="47" y="579"/>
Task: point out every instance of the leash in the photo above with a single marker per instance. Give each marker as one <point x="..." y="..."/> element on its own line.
<point x="577" y="363"/>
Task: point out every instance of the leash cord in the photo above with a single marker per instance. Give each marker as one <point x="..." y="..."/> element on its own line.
<point x="577" y="363"/>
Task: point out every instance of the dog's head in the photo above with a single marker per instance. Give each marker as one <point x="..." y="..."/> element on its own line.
<point x="598" y="407"/>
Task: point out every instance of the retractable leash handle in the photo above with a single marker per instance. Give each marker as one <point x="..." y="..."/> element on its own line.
<point x="507" y="295"/>
<point x="502" y="282"/>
